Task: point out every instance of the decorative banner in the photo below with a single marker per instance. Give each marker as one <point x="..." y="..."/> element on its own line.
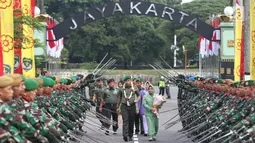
<point x="1" y="52"/>
<point x="252" y="40"/>
<point x="238" y="41"/>
<point x="6" y="19"/>
<point x="28" y="62"/>
<point x="137" y="7"/>
<point x="18" y="41"/>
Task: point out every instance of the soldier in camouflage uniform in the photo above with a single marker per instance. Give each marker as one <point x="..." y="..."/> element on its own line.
<point x="6" y="137"/>
<point x="109" y="101"/>
<point x="12" y="120"/>
<point x="45" y="124"/>
<point x="127" y="100"/>
<point x="98" y="93"/>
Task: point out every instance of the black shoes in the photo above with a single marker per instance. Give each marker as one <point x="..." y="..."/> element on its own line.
<point x="107" y="132"/>
<point x="125" y="139"/>
<point x="145" y="135"/>
<point x="130" y="138"/>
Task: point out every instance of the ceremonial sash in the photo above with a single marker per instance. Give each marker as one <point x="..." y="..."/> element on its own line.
<point x="6" y="31"/>
<point x="28" y="62"/>
<point x="252" y="40"/>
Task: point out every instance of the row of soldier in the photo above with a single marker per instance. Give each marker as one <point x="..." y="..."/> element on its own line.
<point x="215" y="110"/>
<point x="41" y="110"/>
<point x="125" y="99"/>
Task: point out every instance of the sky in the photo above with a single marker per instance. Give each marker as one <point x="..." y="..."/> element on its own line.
<point x="185" y="1"/>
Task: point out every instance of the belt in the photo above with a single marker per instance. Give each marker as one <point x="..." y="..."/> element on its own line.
<point x="127" y="105"/>
<point x="111" y="104"/>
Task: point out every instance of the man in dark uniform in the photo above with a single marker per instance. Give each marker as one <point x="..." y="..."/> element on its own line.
<point x="168" y="89"/>
<point x="109" y="100"/>
<point x="127" y="98"/>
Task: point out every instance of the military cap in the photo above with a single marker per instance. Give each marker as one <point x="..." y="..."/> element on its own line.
<point x="5" y="81"/>
<point x="51" y="82"/>
<point x="235" y="83"/>
<point x="219" y="81"/>
<point x="22" y="76"/>
<point x="48" y="82"/>
<point x="127" y="77"/>
<point x="73" y="78"/>
<point x="192" y="78"/>
<point x="52" y="77"/>
<point x="139" y="79"/>
<point x="16" y="79"/>
<point x="181" y="76"/>
<point x="31" y="84"/>
<point x="249" y="83"/>
<point x="69" y="81"/>
<point x="63" y="81"/>
<point x="110" y="80"/>
<point x="80" y="76"/>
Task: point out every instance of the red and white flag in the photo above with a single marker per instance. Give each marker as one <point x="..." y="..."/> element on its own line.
<point x="54" y="48"/>
<point x="207" y="47"/>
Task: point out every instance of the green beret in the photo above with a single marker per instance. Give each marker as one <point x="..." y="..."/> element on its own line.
<point x="45" y="80"/>
<point x="80" y="76"/>
<point x="63" y="81"/>
<point x="139" y="79"/>
<point x="235" y="83"/>
<point x="51" y="82"/>
<point x="219" y="81"/>
<point x="22" y="76"/>
<point x="52" y="77"/>
<point x="73" y="78"/>
<point x="48" y="81"/>
<point x="249" y="83"/>
<point x="69" y="81"/>
<point x="127" y="77"/>
<point x="31" y="84"/>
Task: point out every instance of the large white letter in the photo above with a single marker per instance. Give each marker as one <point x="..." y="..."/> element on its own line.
<point x="183" y="14"/>
<point x="117" y="8"/>
<point x="193" y="23"/>
<point x="88" y="16"/>
<point x="168" y="13"/>
<point x="132" y="6"/>
<point x="101" y="10"/>
<point x="152" y="10"/>
<point x="74" y="25"/>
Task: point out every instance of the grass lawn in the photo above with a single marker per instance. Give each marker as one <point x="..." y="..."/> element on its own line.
<point x="144" y="72"/>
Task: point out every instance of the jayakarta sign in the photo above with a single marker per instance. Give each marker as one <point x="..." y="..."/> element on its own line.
<point x="110" y="9"/>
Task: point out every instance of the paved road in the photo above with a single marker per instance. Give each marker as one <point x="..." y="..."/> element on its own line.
<point x="164" y="136"/>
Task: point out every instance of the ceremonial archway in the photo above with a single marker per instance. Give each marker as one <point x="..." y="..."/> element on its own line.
<point x="110" y="9"/>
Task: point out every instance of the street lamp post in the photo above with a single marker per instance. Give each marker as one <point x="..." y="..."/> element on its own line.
<point x="185" y="52"/>
<point x="175" y="48"/>
<point x="229" y="11"/>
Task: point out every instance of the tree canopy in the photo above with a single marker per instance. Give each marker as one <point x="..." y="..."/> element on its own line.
<point x="127" y="38"/>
